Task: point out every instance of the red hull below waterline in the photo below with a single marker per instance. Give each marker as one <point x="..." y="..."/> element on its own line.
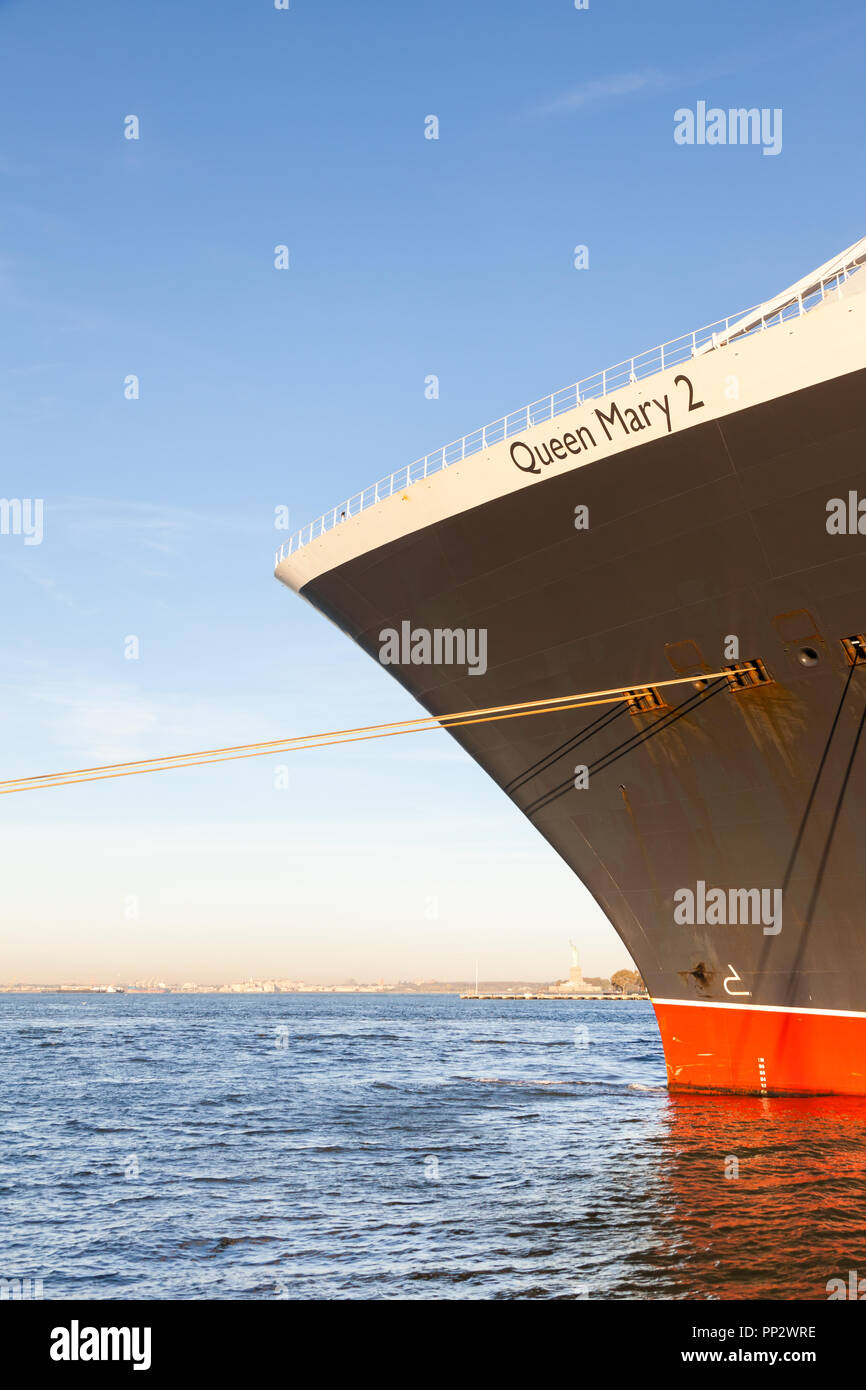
<point x="761" y="1051"/>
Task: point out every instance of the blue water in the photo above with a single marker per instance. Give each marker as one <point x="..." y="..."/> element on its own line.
<point x="261" y="1147"/>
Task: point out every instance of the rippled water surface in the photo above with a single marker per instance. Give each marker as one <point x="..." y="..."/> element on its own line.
<point x="351" y="1146"/>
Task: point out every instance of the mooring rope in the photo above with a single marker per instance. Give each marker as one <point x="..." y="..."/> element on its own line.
<point x="235" y="752"/>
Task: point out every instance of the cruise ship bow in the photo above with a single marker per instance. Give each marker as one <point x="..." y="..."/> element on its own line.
<point x="691" y="515"/>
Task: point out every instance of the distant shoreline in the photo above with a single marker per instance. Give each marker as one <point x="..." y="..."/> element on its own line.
<point x="431" y="988"/>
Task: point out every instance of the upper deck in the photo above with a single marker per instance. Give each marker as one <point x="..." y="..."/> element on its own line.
<point x="830" y="282"/>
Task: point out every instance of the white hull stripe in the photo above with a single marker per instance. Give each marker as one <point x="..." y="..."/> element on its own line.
<point x="763" y="1008"/>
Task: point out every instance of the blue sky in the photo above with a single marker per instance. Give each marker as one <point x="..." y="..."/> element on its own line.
<point x="261" y="388"/>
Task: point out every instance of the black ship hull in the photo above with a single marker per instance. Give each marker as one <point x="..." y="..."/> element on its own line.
<point x="692" y="540"/>
<point x="714" y="533"/>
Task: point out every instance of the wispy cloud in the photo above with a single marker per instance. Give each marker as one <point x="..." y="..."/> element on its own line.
<point x="30" y="571"/>
<point x="90" y="515"/>
<point x="103" y="721"/>
<point x="628" y="84"/>
<point x="601" y="89"/>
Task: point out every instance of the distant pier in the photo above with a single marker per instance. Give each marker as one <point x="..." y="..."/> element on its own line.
<point x="557" y="994"/>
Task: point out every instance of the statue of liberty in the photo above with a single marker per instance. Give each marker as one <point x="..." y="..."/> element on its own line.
<point x="576" y="982"/>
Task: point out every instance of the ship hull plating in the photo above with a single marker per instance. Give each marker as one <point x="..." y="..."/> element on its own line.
<point x="715" y="532"/>
<point x="764" y="1051"/>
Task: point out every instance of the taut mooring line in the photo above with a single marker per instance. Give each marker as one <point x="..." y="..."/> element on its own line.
<point x="236" y="752"/>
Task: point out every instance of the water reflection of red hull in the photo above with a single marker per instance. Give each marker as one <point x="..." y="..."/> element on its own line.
<point x="768" y="1197"/>
<point x="727" y="1048"/>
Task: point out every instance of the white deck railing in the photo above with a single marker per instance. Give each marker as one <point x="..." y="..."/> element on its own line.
<point x="657" y="359"/>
